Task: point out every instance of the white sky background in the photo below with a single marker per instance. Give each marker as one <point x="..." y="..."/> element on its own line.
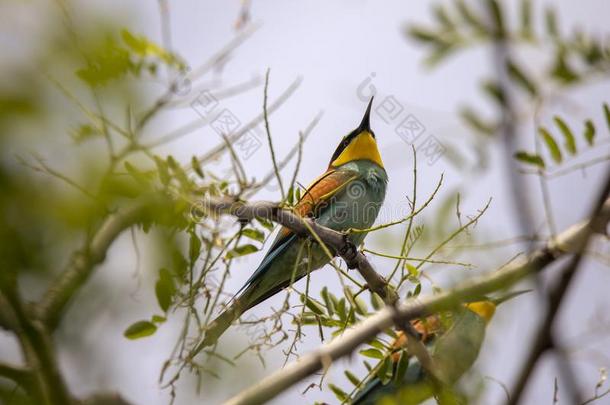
<point x="334" y="46"/>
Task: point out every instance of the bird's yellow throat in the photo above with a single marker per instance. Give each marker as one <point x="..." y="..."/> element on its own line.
<point x="485" y="309"/>
<point x="363" y="147"/>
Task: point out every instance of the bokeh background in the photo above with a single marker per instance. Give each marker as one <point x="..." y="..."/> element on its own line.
<point x="341" y="50"/>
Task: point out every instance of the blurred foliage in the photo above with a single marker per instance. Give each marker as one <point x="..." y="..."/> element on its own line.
<point x="537" y="60"/>
<point x="76" y="159"/>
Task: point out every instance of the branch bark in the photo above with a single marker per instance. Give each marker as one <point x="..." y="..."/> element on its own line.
<point x="544" y="339"/>
<point x="68" y="283"/>
<point x="338" y="243"/>
<point x="569" y="241"/>
<point x="20" y="375"/>
<point x="47" y="383"/>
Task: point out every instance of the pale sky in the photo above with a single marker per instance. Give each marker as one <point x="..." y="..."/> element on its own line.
<point x="340" y="49"/>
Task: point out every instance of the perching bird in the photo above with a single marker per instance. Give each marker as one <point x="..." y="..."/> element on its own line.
<point x="348" y="195"/>
<point x="453" y="345"/>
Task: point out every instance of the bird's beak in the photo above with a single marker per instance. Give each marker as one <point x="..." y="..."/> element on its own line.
<point x="365" y="125"/>
<point x="508" y="296"/>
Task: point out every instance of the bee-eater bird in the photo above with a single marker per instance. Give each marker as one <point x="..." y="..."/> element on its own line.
<point x="454" y="343"/>
<point x="349" y="194"/>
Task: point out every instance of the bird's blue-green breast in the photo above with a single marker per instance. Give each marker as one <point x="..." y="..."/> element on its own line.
<point x="356" y="206"/>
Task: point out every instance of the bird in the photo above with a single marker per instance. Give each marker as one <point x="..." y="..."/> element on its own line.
<point x="348" y="195"/>
<point x="453" y="339"/>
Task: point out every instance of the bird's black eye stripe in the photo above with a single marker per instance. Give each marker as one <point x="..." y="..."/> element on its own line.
<point x="340" y="148"/>
<point x="345" y="141"/>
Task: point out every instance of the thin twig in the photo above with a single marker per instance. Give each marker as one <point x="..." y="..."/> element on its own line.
<point x="544" y="337"/>
<point x="269" y="139"/>
<point x="295" y="149"/>
<point x="413" y="203"/>
<point x="218" y="150"/>
<point x="272" y="385"/>
<point x="400" y="221"/>
<point x="68" y="283"/>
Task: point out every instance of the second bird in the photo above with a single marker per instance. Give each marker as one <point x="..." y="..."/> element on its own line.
<point x="349" y="194"/>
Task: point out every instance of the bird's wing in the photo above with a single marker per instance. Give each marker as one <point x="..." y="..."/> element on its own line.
<point x="317" y="196"/>
<point x="311" y="203"/>
<point x="429" y="328"/>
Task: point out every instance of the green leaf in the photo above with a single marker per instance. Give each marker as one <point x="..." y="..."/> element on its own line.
<point x="352" y="377"/>
<point x="178" y="171"/>
<point x="521" y="78"/>
<point x="376" y="301"/>
<point x="139" y="330"/>
<point x="330" y="305"/>
<point x="341" y="310"/>
<point x="179" y="263"/>
<point x="589" y="132"/>
<point x="194" y="247"/>
<point x="413" y="272"/>
<point x="142" y="46"/>
<point x="385" y="371"/>
<point x="376" y="343"/>
<point x="439" y="53"/>
<point x="469" y="17"/>
<point x="136" y="174"/>
<point x="442" y="17"/>
<point x="531" y="159"/>
<point x="607" y="114"/>
<point x="477" y="123"/>
<point x="158" y="319"/>
<point x="526" y="19"/>
<point x="422" y="34"/>
<point x="417" y="290"/>
<point x="254" y="234"/>
<point x="312" y="305"/>
<point x="196" y="165"/>
<point x="265" y="223"/>
<point x="290" y="196"/>
<point x="372" y="353"/>
<point x="570" y="142"/>
<point x="109" y="63"/>
<point x="165" y="289"/>
<point x="401" y="368"/>
<point x="241" y="251"/>
<point x="561" y="69"/>
<point x="162" y="170"/>
<point x="496" y="12"/>
<point x="339" y="393"/>
<point x="494" y="91"/>
<point x="84" y="132"/>
<point x="357" y="303"/>
<point x="551" y="144"/>
<point x="550" y="21"/>
<point x="122" y="186"/>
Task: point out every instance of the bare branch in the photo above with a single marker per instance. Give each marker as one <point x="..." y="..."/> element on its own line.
<point x="68" y="283"/>
<point x="20" y="375"/>
<point x="215" y="152"/>
<point x="570" y="241"/>
<point x="544" y="338"/>
<point x="269" y="139"/>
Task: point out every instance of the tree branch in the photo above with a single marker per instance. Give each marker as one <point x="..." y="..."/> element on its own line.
<point x="339" y="244"/>
<point x="570" y="241"/>
<point x="47" y="383"/>
<point x="68" y="283"/>
<point x="20" y="375"/>
<point x="544" y="339"/>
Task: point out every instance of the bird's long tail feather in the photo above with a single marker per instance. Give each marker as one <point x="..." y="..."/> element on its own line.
<point x="220" y="325"/>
